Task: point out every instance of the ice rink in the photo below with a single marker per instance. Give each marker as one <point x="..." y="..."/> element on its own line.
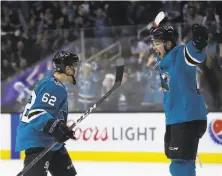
<point x="12" y="167"/>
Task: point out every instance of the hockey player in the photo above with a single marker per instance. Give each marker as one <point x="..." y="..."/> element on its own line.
<point x="185" y="111"/>
<point x="44" y="119"/>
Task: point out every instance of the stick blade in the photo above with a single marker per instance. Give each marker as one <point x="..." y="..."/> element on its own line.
<point x="160" y="16"/>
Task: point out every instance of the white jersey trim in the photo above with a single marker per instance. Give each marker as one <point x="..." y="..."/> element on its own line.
<point x="35" y="116"/>
<point x="186" y="60"/>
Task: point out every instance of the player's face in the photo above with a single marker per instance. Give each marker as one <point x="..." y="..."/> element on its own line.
<point x="159" y="48"/>
<point x="71" y="72"/>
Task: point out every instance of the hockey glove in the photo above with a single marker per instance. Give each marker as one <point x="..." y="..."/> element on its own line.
<point x="58" y="130"/>
<point x="200" y="36"/>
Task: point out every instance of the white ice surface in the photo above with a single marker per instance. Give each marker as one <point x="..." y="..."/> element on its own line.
<point x="12" y="167"/>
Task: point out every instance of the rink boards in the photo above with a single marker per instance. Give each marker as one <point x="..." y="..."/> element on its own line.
<point x="126" y="137"/>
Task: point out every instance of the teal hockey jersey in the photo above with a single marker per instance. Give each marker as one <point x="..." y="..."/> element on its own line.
<point x="182" y="102"/>
<point x="48" y="100"/>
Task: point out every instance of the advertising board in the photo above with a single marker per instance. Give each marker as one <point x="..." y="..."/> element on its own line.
<point x="128" y="137"/>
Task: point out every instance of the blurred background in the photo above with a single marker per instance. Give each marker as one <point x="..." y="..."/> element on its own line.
<point x="101" y="32"/>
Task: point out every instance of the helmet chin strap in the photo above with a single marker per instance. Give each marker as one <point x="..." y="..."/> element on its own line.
<point x="73" y="80"/>
<point x="73" y="77"/>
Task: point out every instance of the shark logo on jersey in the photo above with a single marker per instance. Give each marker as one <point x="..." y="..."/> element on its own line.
<point x="165" y="82"/>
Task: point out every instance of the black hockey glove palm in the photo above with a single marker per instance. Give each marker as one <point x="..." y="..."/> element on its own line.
<point x="58" y="130"/>
<point x="200" y="36"/>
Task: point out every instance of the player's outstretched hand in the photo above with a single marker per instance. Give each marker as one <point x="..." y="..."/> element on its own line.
<point x="200" y="36"/>
<point x="58" y="130"/>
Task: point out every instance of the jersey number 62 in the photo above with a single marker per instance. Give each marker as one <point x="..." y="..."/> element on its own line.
<point x="50" y="99"/>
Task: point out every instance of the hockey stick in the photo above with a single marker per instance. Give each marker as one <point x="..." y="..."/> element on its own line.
<point x="118" y="80"/>
<point x="156" y="22"/>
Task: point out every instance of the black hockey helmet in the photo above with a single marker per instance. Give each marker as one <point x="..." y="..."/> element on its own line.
<point x="63" y="59"/>
<point x="165" y="33"/>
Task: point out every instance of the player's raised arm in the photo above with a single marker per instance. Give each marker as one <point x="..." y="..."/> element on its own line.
<point x="193" y="51"/>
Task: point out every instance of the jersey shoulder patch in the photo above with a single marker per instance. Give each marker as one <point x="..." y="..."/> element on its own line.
<point x="57" y="82"/>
